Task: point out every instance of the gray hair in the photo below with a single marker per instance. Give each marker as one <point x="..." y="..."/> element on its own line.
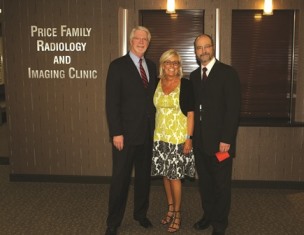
<point x="140" y="28"/>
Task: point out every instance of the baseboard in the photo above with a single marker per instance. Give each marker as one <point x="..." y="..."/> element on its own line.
<point x="60" y="179"/>
<point x="154" y="182"/>
<point x="268" y="184"/>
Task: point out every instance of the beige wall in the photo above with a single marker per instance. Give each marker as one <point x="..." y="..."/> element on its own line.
<point x="269" y="153"/>
<point x="59" y="127"/>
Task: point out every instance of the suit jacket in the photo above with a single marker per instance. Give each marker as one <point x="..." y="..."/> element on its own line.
<point x="220" y="98"/>
<point x="129" y="105"/>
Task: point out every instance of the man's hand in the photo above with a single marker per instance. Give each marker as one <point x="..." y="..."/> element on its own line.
<point x="224" y="147"/>
<point x="118" y="142"/>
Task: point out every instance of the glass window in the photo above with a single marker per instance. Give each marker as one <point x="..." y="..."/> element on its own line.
<point x="264" y="52"/>
<point x="176" y="31"/>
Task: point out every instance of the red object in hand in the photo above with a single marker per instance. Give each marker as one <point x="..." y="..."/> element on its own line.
<point x="221" y="156"/>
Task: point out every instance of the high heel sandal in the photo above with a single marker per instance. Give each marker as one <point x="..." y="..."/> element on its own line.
<point x="169" y="216"/>
<point x="176" y="223"/>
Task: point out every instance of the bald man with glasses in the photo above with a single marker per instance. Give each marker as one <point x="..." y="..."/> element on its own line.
<point x="217" y="107"/>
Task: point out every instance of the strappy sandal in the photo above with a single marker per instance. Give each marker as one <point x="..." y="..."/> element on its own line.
<point x="176" y="223"/>
<point x="169" y="216"/>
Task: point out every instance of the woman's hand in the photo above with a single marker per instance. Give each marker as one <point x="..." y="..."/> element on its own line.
<point x="187" y="146"/>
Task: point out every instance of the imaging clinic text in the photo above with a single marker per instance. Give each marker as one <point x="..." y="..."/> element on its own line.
<point x="44" y="43"/>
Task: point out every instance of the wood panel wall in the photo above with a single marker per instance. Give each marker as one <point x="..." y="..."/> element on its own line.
<point x="58" y="127"/>
<point x="269" y="153"/>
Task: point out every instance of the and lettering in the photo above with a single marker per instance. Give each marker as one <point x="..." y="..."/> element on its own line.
<point x="52" y="39"/>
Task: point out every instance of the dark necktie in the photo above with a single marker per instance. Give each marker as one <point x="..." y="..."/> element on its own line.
<point x="143" y="74"/>
<point x="204" y="74"/>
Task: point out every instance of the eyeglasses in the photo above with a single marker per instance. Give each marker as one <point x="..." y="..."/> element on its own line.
<point x="203" y="47"/>
<point x="174" y="63"/>
<point x="139" y="39"/>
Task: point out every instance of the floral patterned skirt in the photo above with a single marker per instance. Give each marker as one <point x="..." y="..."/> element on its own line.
<point x="170" y="161"/>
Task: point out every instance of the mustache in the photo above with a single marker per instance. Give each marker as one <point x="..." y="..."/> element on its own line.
<point x="204" y="54"/>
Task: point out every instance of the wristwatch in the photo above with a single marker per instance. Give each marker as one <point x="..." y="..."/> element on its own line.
<point x="189" y="137"/>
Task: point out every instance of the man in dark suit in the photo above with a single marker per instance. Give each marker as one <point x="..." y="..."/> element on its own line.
<point x="217" y="108"/>
<point x="130" y="86"/>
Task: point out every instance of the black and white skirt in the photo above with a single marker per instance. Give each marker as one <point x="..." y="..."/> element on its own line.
<point x="169" y="160"/>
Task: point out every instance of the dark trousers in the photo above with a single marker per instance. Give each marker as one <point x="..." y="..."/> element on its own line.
<point x="215" y="187"/>
<point x="140" y="156"/>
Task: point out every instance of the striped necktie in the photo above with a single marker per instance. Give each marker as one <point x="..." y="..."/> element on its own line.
<point x="143" y="74"/>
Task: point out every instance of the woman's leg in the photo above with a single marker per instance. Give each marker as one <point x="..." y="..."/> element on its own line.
<point x="168" y="217"/>
<point x="176" y="190"/>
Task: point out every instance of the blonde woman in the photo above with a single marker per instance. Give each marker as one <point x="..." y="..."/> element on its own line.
<point x="172" y="149"/>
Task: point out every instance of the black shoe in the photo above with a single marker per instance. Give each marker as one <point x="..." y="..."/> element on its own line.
<point x="144" y="222"/>
<point x="201" y="224"/>
<point x="111" y="231"/>
<point x="218" y="232"/>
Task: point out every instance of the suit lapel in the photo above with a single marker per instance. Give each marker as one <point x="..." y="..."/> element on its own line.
<point x="136" y="73"/>
<point x="197" y="77"/>
<point x="213" y="69"/>
<point x="151" y="75"/>
<point x="132" y="66"/>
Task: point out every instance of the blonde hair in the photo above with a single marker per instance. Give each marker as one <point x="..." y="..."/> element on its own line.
<point x="166" y="56"/>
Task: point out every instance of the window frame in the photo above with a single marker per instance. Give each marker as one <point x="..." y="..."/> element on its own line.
<point x="272" y="106"/>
